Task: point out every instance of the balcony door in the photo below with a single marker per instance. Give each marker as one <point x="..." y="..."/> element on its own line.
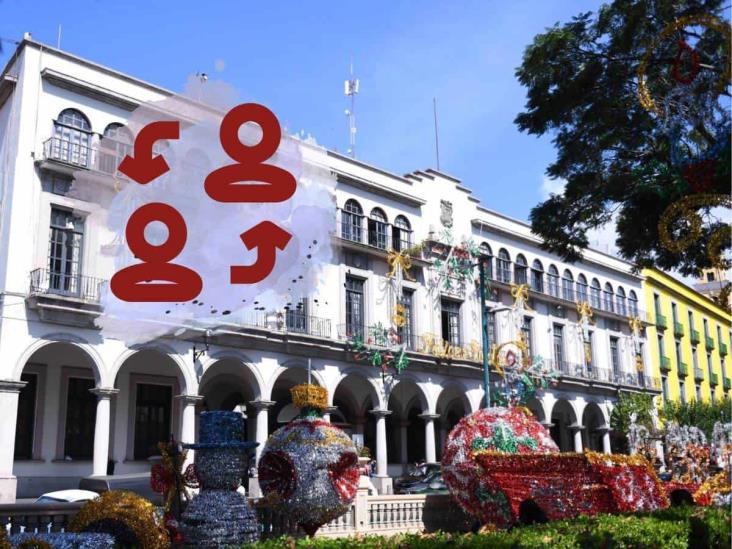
<point x="64" y="256"/>
<point x="71" y="138"/>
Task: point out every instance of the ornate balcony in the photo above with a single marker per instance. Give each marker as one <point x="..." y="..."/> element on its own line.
<point x="695" y="337"/>
<point x="661" y="322"/>
<point x="698" y="374"/>
<point x="85" y="289"/>
<point x="723" y="349"/>
<point x="714" y="380"/>
<point x="665" y="364"/>
<point x="683" y="369"/>
<point x="67" y="156"/>
<point x="709" y="342"/>
<point x="678" y="329"/>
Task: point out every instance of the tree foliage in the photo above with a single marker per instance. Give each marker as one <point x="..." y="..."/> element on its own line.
<point x="699" y="414"/>
<point x="632" y="403"/>
<point x="615" y="155"/>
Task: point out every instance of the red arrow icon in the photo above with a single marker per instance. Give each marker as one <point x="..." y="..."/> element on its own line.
<point x="266" y="237"/>
<point x="145" y="167"/>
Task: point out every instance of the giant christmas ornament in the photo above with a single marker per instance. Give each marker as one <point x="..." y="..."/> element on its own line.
<point x="309" y="468"/>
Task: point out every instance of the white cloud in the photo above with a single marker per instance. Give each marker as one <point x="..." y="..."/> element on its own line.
<point x="551" y="186"/>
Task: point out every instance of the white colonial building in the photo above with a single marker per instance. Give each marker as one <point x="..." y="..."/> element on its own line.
<point x="74" y="403"/>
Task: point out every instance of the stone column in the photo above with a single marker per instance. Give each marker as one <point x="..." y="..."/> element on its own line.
<point x="430" y="454"/>
<point x="9" y="391"/>
<point x="329" y="410"/>
<point x="606" y="440"/>
<point x="188" y="423"/>
<point x="403" y="443"/>
<point x="382" y="479"/>
<point x="262" y="412"/>
<point x="577" y="430"/>
<point x="101" y="429"/>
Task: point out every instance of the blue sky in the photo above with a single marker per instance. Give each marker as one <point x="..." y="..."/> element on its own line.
<point x="294" y="56"/>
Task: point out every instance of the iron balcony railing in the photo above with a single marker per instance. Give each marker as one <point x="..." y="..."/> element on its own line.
<point x="726" y="383"/>
<point x="714" y="379"/>
<point x="709" y="341"/>
<point x="665" y="364"/>
<point x="661" y="321"/>
<point x="683" y="369"/>
<point x="698" y="374"/>
<point x="47" y="282"/>
<point x="287" y="322"/>
<point x="723" y="349"/>
<point x="678" y="329"/>
<point x="91" y="157"/>
<point x="694" y="336"/>
<point x="589" y="372"/>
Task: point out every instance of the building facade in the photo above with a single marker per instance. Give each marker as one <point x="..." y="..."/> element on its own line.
<point x="689" y="340"/>
<point x="75" y="403"/>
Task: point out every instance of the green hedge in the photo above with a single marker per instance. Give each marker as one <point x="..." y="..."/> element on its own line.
<point x="676" y="528"/>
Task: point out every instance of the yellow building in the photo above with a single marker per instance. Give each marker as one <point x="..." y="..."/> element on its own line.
<point x="688" y="338"/>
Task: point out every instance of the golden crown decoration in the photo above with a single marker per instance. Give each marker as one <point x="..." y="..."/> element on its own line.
<point x="308" y="395"/>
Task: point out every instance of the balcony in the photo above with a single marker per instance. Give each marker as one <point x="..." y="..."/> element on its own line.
<point x="85" y="289"/>
<point x="709" y="342"/>
<point x="726" y="383"/>
<point x="683" y="369"/>
<point x="661" y="322"/>
<point x="723" y="349"/>
<point x="698" y="374"/>
<point x="695" y="337"/>
<point x="665" y="364"/>
<point x="68" y="156"/>
<point x="714" y="380"/>
<point x="293" y="322"/>
<point x="678" y="329"/>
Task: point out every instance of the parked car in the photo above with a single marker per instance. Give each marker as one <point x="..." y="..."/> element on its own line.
<point x="416" y="475"/>
<point x="67" y="496"/>
<point x="138" y="483"/>
<point x="431" y="484"/>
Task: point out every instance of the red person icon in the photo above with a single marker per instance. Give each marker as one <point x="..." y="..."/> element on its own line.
<point x="141" y="282"/>
<point x="230" y="183"/>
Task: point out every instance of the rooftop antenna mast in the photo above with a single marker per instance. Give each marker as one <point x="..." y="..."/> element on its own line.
<point x="351" y="89"/>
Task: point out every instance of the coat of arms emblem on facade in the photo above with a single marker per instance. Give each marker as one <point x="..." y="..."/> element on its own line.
<point x="446" y="213"/>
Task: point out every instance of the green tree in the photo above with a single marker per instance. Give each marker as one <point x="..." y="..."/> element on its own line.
<point x="632" y="403"/>
<point x="616" y="156"/>
<point x="699" y="414"/>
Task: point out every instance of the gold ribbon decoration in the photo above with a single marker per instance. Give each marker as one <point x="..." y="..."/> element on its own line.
<point x="585" y="311"/>
<point x="399" y="318"/>
<point x="636" y="324"/>
<point x="520" y="292"/>
<point x="499" y="362"/>
<point x="396" y="260"/>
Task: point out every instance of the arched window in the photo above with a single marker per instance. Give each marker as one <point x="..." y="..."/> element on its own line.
<point x="620" y="298"/>
<point x="595" y="293"/>
<point x="609" y="296"/>
<point x="581" y="288"/>
<point x="378" y="232"/>
<point x="633" y="303"/>
<point x="71" y="139"/>
<point x="116" y="143"/>
<point x="568" y="285"/>
<point x="485" y="250"/>
<point x="352" y="221"/>
<point x="401" y="234"/>
<point x="503" y="266"/>
<point x="520" y="270"/>
<point x="553" y="281"/>
<point x="537" y="276"/>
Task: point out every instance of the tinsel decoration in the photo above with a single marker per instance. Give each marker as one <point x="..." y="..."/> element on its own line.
<point x="716" y="490"/>
<point x="455" y="263"/>
<point x="4" y="543"/>
<point x="683" y="213"/>
<point x="688" y="455"/>
<point x="219" y="516"/>
<point x="402" y="260"/>
<point x="168" y="479"/>
<point x="62" y="540"/>
<point x="381" y="349"/>
<point x="128" y="517"/>
<point x="309" y="468"/>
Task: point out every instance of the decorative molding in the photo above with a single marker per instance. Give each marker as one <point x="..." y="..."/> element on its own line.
<point x="379" y="412"/>
<point x="104" y="392"/>
<point x="261" y="404"/>
<point x="188" y="400"/>
<point x="11" y="385"/>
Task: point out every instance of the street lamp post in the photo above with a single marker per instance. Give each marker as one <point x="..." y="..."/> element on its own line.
<point x="486" y="343"/>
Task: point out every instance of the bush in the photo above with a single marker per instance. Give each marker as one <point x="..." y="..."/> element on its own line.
<point x="676" y="528"/>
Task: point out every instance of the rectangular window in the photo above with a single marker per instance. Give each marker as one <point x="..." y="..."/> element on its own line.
<point x="526" y="333"/>
<point x="81" y="413"/>
<point x="152" y="418"/>
<point x="56" y="183"/>
<point x="589" y="351"/>
<point x="378" y="233"/>
<point x="709" y="365"/>
<point x="657" y="304"/>
<point x="682" y="389"/>
<point x="296" y="317"/>
<point x="354" y="306"/>
<point x="677" y="344"/>
<point x="405" y="332"/>
<point x="64" y="255"/>
<point x="706" y="328"/>
<point x="664" y="387"/>
<point x="25" y="426"/>
<point x="661" y="353"/>
<point x="615" y="357"/>
<point x="674" y="312"/>
<point x="697" y="390"/>
<point x="691" y="320"/>
<point x="558" y="331"/>
<point x="695" y="357"/>
<point x="451" y="322"/>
